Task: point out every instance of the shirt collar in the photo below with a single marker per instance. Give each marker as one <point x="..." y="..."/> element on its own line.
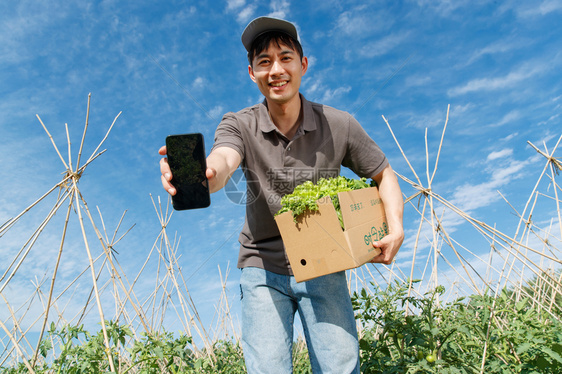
<point x="267" y="125"/>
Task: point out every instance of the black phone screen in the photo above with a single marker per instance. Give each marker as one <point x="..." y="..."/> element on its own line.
<point x="186" y="157"/>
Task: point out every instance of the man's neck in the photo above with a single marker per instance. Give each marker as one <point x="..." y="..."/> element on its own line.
<point x="286" y="116"/>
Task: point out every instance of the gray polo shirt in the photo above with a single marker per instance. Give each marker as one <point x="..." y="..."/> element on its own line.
<point x="274" y="165"/>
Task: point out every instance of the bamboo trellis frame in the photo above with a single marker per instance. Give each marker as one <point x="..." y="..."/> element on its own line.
<point x="510" y="259"/>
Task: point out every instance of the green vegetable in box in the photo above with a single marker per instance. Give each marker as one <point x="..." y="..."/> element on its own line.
<point x="305" y="195"/>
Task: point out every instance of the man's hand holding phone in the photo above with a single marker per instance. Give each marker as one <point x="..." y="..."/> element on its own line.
<point x="184" y="171"/>
<point x="166" y="172"/>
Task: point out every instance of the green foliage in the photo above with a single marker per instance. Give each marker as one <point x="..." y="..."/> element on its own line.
<point x="306" y="195"/>
<point x="503" y="335"/>
<point x="159" y="353"/>
<point x="227" y="358"/>
<point x="479" y="334"/>
<point x="77" y="351"/>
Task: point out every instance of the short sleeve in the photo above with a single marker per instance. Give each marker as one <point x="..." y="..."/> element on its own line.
<point x="363" y="155"/>
<point x="229" y="134"/>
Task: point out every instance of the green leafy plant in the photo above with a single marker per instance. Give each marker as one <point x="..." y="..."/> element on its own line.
<point x="400" y="334"/>
<point x="480" y="334"/>
<point x="77" y="351"/>
<point x="305" y="196"/>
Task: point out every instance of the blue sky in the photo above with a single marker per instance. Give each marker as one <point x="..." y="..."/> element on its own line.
<point x="177" y="66"/>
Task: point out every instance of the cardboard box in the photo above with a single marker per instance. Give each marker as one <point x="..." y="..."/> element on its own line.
<point x="316" y="245"/>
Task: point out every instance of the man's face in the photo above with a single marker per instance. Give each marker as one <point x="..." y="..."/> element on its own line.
<point x="278" y="71"/>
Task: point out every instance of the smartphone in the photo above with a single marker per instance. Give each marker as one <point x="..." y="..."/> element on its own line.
<point x="187" y="160"/>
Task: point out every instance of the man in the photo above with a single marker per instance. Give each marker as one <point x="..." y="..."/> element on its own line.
<point x="280" y="143"/>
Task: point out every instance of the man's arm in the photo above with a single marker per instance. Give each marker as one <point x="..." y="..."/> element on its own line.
<point x="221" y="163"/>
<point x="391" y="196"/>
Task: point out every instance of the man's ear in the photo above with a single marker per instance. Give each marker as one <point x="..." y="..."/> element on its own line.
<point x="251" y="72"/>
<point x="304" y="65"/>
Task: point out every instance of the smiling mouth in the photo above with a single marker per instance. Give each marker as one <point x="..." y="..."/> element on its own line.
<point x="278" y="84"/>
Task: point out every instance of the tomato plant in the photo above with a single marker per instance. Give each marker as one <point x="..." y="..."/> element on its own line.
<point x="496" y="334"/>
<point x="480" y="334"/>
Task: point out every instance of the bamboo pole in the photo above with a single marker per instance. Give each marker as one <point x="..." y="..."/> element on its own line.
<point x="52" y="287"/>
<point x="16" y="345"/>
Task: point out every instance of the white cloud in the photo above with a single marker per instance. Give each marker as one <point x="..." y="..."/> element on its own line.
<point x="21" y="29"/>
<point x="311" y="89"/>
<point x="235" y="4"/>
<point x="361" y="23"/>
<point x="417" y="80"/>
<point x="509" y="137"/>
<point x="444" y="8"/>
<point x="216" y="112"/>
<point x="351" y="24"/>
<point x="469" y="197"/>
<point x="383" y="46"/>
<point x="460" y="110"/>
<point x="551" y="119"/>
<point x="508" y="118"/>
<point x="246" y="14"/>
<point x="499" y="46"/>
<point x="312" y="61"/>
<point x="315" y="89"/>
<point x="489" y="84"/>
<point x="331" y="95"/>
<point x="436" y="118"/>
<point x="199" y="82"/>
<point x="279" y="9"/>
<point x="546" y="7"/>
<point x="500" y="154"/>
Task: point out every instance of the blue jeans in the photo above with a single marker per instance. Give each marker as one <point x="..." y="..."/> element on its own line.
<point x="269" y="304"/>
